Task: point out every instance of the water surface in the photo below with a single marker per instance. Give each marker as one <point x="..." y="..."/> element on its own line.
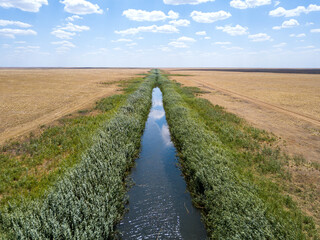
<point x="160" y="206"/>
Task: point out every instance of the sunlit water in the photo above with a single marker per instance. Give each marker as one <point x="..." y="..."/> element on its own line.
<point x="159" y="205"/>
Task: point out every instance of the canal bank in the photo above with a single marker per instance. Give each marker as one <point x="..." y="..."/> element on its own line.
<point x="160" y="206"/>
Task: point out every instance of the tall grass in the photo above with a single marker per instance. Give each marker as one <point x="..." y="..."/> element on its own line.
<point x="89" y="199"/>
<point x="217" y="152"/>
<point x="28" y="168"/>
<point x="225" y="163"/>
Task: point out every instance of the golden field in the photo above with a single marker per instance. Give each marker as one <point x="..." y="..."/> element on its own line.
<point x="33" y="97"/>
<point x="282" y="103"/>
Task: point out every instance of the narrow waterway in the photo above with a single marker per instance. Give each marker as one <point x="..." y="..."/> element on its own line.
<point x="159" y="205"/>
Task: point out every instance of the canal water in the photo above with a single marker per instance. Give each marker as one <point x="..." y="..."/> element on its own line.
<point x="159" y="205"/>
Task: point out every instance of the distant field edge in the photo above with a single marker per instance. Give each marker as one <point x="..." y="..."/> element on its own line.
<point x="258" y="70"/>
<point x="89" y="198"/>
<point x="261" y="70"/>
<point x="235" y="173"/>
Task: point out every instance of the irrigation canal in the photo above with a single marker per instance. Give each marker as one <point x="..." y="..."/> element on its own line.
<point x="159" y="205"/>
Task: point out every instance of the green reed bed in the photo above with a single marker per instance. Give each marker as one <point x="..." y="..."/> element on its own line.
<point x="89" y="198"/>
<point x="29" y="167"/>
<point x="226" y="164"/>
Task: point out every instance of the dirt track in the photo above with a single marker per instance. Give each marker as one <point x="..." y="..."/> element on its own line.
<point x="263" y="104"/>
<point x="285" y="104"/>
<point x="30" y="98"/>
<point x="22" y="129"/>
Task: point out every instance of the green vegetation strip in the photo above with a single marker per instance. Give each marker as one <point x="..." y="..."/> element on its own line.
<point x="29" y="167"/>
<point x="227" y="165"/>
<point x="233" y="172"/>
<point x="89" y="198"/>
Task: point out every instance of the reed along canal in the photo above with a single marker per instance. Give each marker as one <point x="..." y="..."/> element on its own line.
<point x="159" y="205"/>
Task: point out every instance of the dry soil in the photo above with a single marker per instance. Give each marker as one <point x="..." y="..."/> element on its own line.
<point x="30" y="98"/>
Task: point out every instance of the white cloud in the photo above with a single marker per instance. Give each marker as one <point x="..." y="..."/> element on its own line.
<point x="287" y="24"/>
<point x="63" y="34"/>
<point x="81" y="7"/>
<point x="27" y="49"/>
<point x="5" y="46"/>
<point x="201" y="33"/>
<point x="100" y="51"/>
<point x="298" y="35"/>
<point x="180" y="23"/>
<point x="24" y="5"/>
<point x="186" y="39"/>
<point x="65" y="44"/>
<point x="156" y="114"/>
<point x="276" y="27"/>
<point x="234" y="31"/>
<point x="290" y="23"/>
<point x="177" y="44"/>
<point x="244" y="4"/>
<point x="165" y="133"/>
<point x="182" y="42"/>
<point x="68" y="31"/>
<point x="306" y="47"/>
<point x="281" y="12"/>
<point x="153" y="29"/>
<point x="12" y="33"/>
<point x="260" y="37"/>
<point x="173" y="15"/>
<point x="280" y="45"/>
<point x="232" y="48"/>
<point x="222" y="43"/>
<point x="73" y="18"/>
<point x="165" y="49"/>
<point x="315" y="30"/>
<point x="62" y="49"/>
<point x="74" y="28"/>
<point x="209" y="17"/>
<point x="141" y="15"/>
<point x="123" y="40"/>
<point x="207" y="38"/>
<point x="4" y="23"/>
<point x="276" y="3"/>
<point x="180" y="2"/>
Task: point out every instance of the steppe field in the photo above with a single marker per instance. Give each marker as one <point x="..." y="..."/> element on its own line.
<point x="286" y="104"/>
<point x="247" y="142"/>
<point x="283" y="102"/>
<point x="30" y="98"/>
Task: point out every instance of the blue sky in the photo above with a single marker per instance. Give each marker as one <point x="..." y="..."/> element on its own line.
<point x="159" y="33"/>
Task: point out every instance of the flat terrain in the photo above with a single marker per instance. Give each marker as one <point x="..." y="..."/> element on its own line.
<point x="284" y="104"/>
<point x="265" y="70"/>
<point x="30" y="98"/>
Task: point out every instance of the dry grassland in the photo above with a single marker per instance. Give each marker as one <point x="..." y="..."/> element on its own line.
<point x="296" y="92"/>
<point x="284" y="104"/>
<point x="33" y="97"/>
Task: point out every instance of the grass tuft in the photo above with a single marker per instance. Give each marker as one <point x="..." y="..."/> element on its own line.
<point x="227" y="165"/>
<point x="88" y="199"/>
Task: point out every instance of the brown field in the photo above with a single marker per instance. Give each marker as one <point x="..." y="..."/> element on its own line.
<point x="30" y="98"/>
<point x="284" y="104"/>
